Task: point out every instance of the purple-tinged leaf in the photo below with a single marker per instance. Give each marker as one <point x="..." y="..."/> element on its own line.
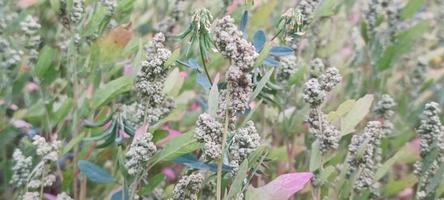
<point x="283" y="187"/>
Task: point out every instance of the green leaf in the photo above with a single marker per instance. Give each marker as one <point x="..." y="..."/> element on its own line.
<point x="326" y="173"/>
<point x="159" y="134"/>
<point x="344" y="108"/>
<point x="111" y="89"/>
<point x="315" y="157"/>
<point x="76" y="140"/>
<point x="172" y="59"/>
<point x="261" y="84"/>
<point x="61" y="111"/>
<point x="384" y="168"/>
<point x="327" y="8"/>
<point x="357" y="113"/>
<point x="152" y="184"/>
<point x="213" y="99"/>
<point x="394" y="187"/>
<point x="46" y="56"/>
<point x="173" y="83"/>
<point x="94" y="172"/>
<point x="403" y="44"/>
<point x="236" y="186"/>
<point x="435" y="180"/>
<point x="411" y="8"/>
<point x="263" y="54"/>
<point x="176" y="147"/>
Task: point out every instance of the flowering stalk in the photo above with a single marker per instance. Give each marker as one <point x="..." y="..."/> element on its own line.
<point x="431" y="134"/>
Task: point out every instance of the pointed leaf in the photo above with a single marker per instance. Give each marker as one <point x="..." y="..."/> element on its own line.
<point x="213" y="99"/>
<point x="358" y="112"/>
<point x="261" y="84"/>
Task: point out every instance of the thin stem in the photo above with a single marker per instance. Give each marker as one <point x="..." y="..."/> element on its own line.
<point x="202" y="57"/>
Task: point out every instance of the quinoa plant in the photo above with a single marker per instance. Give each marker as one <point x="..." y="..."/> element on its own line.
<point x="175" y="99"/>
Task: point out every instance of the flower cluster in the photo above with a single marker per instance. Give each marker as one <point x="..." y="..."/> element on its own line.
<point x="209" y="132"/>
<point x="431" y="135"/>
<point x="30" y="26"/>
<point x="9" y="57"/>
<point x="288" y="66"/>
<point x="418" y="76"/>
<point x="63" y="196"/>
<point x="188" y="187"/>
<point x="292" y="22"/>
<point x="31" y="196"/>
<point x="431" y="128"/>
<point x="316" y="88"/>
<point x="42" y="176"/>
<point x="384" y="109"/>
<point x="230" y="43"/>
<point x="140" y="151"/>
<point x="110" y="5"/>
<point x="307" y="8"/>
<point x="369" y="144"/>
<point x="315" y="91"/>
<point x="20" y="169"/>
<point x="326" y="133"/>
<point x="152" y="103"/>
<point x="317" y="67"/>
<point x="48" y="151"/>
<point x="77" y="11"/>
<point x="245" y="140"/>
<point x="373" y="12"/>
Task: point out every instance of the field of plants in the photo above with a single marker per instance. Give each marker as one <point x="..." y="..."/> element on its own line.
<point x="221" y="99"/>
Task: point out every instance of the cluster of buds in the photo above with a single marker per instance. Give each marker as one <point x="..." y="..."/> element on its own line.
<point x="245" y="140"/>
<point x="209" y="133"/>
<point x="231" y="43"/>
<point x="140" y="151"/>
<point x="287" y="67"/>
<point x="21" y="168"/>
<point x="363" y="155"/>
<point x="315" y="91"/>
<point x="152" y="103"/>
<point x="77" y="11"/>
<point x="431" y="135"/>
<point x="9" y="57"/>
<point x="30" y="26"/>
<point x="188" y="187"/>
<point x="384" y="109"/>
<point x="374" y="10"/>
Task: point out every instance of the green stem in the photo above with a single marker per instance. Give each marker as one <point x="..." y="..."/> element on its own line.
<point x="202" y="57"/>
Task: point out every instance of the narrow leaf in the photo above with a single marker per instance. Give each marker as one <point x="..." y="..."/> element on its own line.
<point x="236" y="186"/>
<point x="261" y="84"/>
<point x="281" y="51"/>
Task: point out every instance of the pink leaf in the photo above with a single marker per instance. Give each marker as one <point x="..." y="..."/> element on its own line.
<point x="283" y="187"/>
